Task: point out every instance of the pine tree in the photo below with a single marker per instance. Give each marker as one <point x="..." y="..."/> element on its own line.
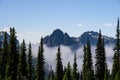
<point x="106" y="72"/>
<point x="100" y="59"/>
<point x="22" y="67"/>
<point x="84" y="68"/>
<point x="88" y="72"/>
<point x="89" y="63"/>
<point x="0" y="61"/>
<point x="4" y="55"/>
<point x="117" y="76"/>
<point x="116" y="57"/>
<point x="40" y="69"/>
<point x="81" y="75"/>
<point x="30" y="65"/>
<point x="74" y="73"/>
<point x="78" y="76"/>
<point x="59" y="66"/>
<point x="51" y="75"/>
<point x="106" y="75"/>
<point x="68" y="75"/>
<point x="64" y="70"/>
<point x="12" y="60"/>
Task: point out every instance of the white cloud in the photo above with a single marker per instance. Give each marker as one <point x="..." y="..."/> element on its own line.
<point x="68" y="55"/>
<point x="50" y="54"/>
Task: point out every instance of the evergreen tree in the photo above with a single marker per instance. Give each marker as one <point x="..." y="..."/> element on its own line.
<point x="0" y="63"/>
<point x="78" y="76"/>
<point x="88" y="72"/>
<point x="68" y="75"/>
<point x="107" y="74"/>
<point x="51" y="75"/>
<point x="59" y="66"/>
<point x="64" y="70"/>
<point x="40" y="69"/>
<point x="89" y="64"/>
<point x="4" y="55"/>
<point x="116" y="61"/>
<point x="12" y="60"/>
<point x="30" y="65"/>
<point x="22" y="67"/>
<point x="74" y="73"/>
<point x="84" y="68"/>
<point x="100" y="59"/>
<point x="81" y="75"/>
<point x="117" y="76"/>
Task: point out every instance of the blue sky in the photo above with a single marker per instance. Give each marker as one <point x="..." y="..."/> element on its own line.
<point x="35" y="18"/>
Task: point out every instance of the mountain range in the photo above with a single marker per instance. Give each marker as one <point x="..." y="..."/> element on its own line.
<point x="70" y="45"/>
<point x="58" y="37"/>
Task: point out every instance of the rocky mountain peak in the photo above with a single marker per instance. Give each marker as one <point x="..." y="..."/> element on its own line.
<point x="58" y="37"/>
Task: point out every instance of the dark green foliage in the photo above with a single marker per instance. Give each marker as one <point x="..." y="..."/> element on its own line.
<point x="40" y="69"/>
<point x="78" y="76"/>
<point x="64" y="70"/>
<point x="51" y="75"/>
<point x="88" y="72"/>
<point x="0" y="62"/>
<point x="84" y="65"/>
<point x="0" y="77"/>
<point x="74" y="73"/>
<point x="30" y="65"/>
<point x="107" y="73"/>
<point x="4" y="55"/>
<point x="59" y="66"/>
<point x="67" y="75"/>
<point x="22" y="67"/>
<point x="12" y="60"/>
<point x="100" y="59"/>
<point x="116" y="57"/>
<point x="10" y="70"/>
<point x="117" y="77"/>
<point x="81" y="76"/>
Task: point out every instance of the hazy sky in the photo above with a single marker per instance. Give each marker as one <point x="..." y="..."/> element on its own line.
<point x="35" y="18"/>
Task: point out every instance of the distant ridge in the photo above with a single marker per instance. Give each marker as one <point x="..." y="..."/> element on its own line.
<point x="58" y="37"/>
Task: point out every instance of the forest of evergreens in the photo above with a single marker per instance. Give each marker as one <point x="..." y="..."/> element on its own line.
<point x="16" y="64"/>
